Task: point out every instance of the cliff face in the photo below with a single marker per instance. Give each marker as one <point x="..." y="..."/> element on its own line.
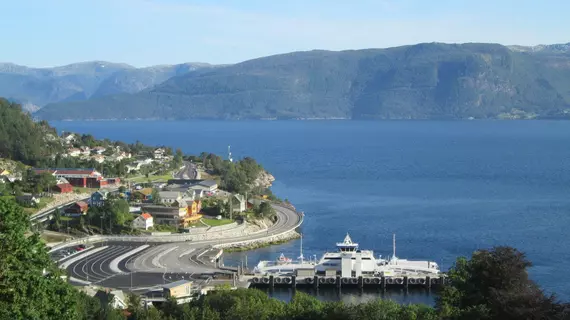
<point x="264" y="180"/>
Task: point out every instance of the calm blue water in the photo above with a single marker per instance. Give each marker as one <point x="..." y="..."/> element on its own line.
<point x="444" y="188"/>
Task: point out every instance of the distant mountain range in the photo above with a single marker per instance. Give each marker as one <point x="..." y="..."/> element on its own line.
<point x="423" y="81"/>
<point x="36" y="87"/>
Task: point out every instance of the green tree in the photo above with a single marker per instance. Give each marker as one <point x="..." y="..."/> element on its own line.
<point x="266" y="210"/>
<point x="30" y="283"/>
<point x="56" y="222"/>
<point x="178" y="158"/>
<point x="119" y="211"/>
<point x="156" y="196"/>
<point x="494" y="284"/>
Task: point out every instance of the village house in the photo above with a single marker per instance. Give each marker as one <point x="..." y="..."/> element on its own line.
<point x="194" y="207"/>
<point x="86" y="151"/>
<point x="12" y="177"/>
<point x="28" y="200"/>
<point x="238" y="203"/>
<point x="159" y="153"/>
<point x="77" y="209"/>
<point x="98" y="158"/>
<point x="83" y="178"/>
<point x="178" y="289"/>
<point x="63" y="186"/>
<point x="169" y="197"/>
<point x="208" y="186"/>
<point x="74" y="152"/>
<point x="112" y="298"/>
<point x="143" y="194"/>
<point x="68" y="137"/>
<point x="167" y="215"/>
<point x="99" y="197"/>
<point x="143" y="221"/>
<point x="98" y="150"/>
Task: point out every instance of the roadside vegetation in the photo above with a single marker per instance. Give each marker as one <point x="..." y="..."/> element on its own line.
<point x="216" y="222"/>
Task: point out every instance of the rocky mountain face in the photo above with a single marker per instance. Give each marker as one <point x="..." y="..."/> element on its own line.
<point x="36" y="87"/>
<point x="423" y="81"/>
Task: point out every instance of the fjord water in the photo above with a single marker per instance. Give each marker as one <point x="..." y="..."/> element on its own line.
<point x="444" y="188"/>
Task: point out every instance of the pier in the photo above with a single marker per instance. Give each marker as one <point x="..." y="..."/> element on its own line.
<point x="316" y="281"/>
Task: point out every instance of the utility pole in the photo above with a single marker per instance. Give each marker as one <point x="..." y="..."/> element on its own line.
<point x="231" y="206"/>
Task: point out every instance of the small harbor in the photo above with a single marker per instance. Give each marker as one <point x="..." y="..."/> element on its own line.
<point x="348" y="267"/>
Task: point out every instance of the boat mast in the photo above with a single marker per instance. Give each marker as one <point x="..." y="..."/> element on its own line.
<point x="301" y="256"/>
<point x="394" y="245"/>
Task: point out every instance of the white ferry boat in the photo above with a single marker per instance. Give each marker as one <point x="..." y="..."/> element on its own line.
<point x="350" y="261"/>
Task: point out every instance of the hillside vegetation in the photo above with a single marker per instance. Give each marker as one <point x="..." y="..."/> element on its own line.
<point x="24" y="140"/>
<point x="423" y="81"/>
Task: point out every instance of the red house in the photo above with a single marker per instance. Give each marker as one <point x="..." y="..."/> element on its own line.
<point x="77" y="208"/>
<point x="64" y="188"/>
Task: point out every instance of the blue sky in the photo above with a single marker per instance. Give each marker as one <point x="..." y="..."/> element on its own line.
<point x="45" y="33"/>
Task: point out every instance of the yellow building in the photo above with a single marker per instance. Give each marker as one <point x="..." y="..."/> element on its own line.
<point x="178" y="289"/>
<point x="195" y="207"/>
<point x="4" y="172"/>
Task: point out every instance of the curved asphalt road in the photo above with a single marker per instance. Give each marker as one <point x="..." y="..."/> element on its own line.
<point x="159" y="263"/>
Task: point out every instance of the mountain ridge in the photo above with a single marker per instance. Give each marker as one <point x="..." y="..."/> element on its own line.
<point x="81" y="81"/>
<point x="421" y="81"/>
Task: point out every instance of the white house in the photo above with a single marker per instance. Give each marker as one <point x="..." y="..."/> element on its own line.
<point x="159" y="153"/>
<point x="209" y="185"/>
<point x="68" y="137"/>
<point x="74" y="152"/>
<point x="238" y="203"/>
<point x="144" y="221"/>
<point x="99" y="158"/>
<point x="99" y="150"/>
<point x="112" y="298"/>
<point x="168" y="197"/>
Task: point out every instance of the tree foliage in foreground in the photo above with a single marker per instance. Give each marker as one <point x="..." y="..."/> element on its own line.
<point x="494" y="284"/>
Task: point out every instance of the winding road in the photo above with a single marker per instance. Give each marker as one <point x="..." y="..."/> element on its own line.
<point x="139" y="266"/>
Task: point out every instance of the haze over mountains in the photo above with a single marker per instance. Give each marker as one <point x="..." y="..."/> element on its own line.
<point x="423" y="81"/>
<point x="36" y="87"/>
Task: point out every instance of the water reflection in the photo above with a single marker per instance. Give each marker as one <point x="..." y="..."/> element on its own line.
<point x="355" y="295"/>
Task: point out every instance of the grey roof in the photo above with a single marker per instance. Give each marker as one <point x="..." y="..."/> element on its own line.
<point x="176" y="284"/>
<point x="26" y="197"/>
<point x="208" y="183"/>
<point x="169" y="194"/>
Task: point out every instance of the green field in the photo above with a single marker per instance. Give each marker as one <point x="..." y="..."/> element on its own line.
<point x="43" y="203"/>
<point x="215" y="223"/>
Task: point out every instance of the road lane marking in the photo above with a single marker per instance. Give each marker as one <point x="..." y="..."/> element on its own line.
<point x="156" y="260"/>
<point x="114" y="265"/>
<point x="78" y="258"/>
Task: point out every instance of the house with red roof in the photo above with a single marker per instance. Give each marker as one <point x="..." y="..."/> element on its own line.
<point x="144" y="221"/>
<point x="77" y="209"/>
<point x="63" y="186"/>
<point x="78" y="177"/>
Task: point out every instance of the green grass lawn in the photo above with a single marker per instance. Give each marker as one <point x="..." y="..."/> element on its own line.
<point x="47" y="238"/>
<point x="43" y="203"/>
<point x="215" y="223"/>
<point x="84" y="190"/>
